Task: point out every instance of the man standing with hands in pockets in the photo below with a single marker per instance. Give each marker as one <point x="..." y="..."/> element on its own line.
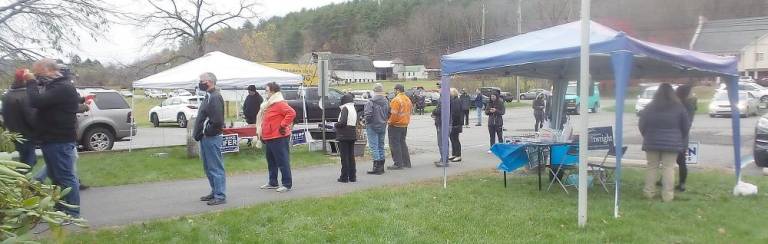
<point x="208" y="130"/>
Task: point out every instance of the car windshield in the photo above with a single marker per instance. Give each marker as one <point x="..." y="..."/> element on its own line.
<point x="571" y="90"/>
<point x="724" y="96"/>
<point x="648" y="93"/>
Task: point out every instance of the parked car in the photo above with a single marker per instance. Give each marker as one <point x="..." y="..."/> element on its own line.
<point x="572" y="101"/>
<point x="362" y="94"/>
<point x="531" y="94"/>
<point x="126" y="93"/>
<point x="175" y="110"/>
<point x="646" y="96"/>
<point x="152" y="93"/>
<point x="721" y="106"/>
<point x="107" y="120"/>
<point x="756" y="89"/>
<point x="314" y="112"/>
<point x="180" y="93"/>
<point x="760" y="148"/>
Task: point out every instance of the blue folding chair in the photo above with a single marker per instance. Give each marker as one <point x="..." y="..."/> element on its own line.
<point x="563" y="158"/>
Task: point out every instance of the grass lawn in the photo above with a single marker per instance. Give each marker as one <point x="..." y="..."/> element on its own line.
<point x="140" y="166"/>
<point x="629" y="107"/>
<point x="475" y="208"/>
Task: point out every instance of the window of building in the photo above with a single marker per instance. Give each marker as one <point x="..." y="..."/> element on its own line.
<point x="759" y="56"/>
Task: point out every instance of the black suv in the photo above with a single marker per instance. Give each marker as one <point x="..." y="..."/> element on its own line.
<point x="314" y="112"/>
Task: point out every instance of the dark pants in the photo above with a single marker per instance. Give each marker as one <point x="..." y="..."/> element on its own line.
<point x="278" y="158"/>
<point x="398" y="146"/>
<point x="466" y="117"/>
<point x="27" y="152"/>
<point x="683" y="167"/>
<point x="60" y="162"/>
<point x="539" y="116"/>
<point x="495" y="131"/>
<point x="455" y="144"/>
<point x="347" y="154"/>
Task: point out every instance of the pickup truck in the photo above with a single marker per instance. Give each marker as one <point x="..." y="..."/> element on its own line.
<point x="314" y="112"/>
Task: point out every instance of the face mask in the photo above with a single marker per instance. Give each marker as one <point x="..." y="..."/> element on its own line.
<point x="202" y="86"/>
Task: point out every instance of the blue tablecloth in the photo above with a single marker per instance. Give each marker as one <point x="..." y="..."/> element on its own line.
<point x="513" y="156"/>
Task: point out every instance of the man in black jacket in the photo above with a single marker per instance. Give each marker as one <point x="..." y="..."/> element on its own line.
<point x="208" y="129"/>
<point x="56" y="109"/>
<point x="19" y="117"/>
<point x="252" y="105"/>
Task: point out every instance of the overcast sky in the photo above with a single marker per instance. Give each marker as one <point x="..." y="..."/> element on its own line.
<point x="123" y="44"/>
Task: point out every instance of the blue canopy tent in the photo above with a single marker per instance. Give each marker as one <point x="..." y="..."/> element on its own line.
<point x="553" y="54"/>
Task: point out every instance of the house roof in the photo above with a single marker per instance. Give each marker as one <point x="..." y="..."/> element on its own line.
<point x="383" y="64"/>
<point x="348" y="62"/>
<point x="730" y="35"/>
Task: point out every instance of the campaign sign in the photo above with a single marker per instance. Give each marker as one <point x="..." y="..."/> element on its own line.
<point x="692" y="154"/>
<point x="298" y="137"/>
<point x="230" y="143"/>
<point x="600" y="138"/>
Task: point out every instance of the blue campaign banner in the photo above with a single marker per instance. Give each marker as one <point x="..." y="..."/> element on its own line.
<point x="298" y="137"/>
<point x="600" y="138"/>
<point x="230" y="143"/>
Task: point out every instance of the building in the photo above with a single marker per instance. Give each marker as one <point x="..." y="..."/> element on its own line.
<point x="414" y="72"/>
<point x="346" y="68"/>
<point x="433" y="74"/>
<point x="388" y="69"/>
<point x="746" y="38"/>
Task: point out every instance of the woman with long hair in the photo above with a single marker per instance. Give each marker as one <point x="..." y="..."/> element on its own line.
<point x="538" y="111"/>
<point x="495" y="111"/>
<point x="664" y="125"/>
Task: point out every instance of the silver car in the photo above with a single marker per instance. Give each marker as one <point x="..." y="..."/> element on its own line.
<point x="107" y="120"/>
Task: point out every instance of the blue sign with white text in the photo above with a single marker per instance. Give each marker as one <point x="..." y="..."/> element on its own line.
<point x="600" y="138"/>
<point x="230" y="143"/>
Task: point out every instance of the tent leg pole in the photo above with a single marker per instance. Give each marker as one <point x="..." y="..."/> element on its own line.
<point x="622" y="68"/>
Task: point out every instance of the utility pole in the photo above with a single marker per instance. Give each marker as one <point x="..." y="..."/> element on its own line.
<point x="519" y="31"/>
<point x="482" y="27"/>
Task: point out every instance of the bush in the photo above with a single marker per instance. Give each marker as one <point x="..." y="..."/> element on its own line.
<point x="24" y="202"/>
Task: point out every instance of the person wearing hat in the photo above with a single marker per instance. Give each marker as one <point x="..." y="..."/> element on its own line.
<point x="252" y="105"/>
<point x="400" y="116"/>
<point x="375" y="115"/>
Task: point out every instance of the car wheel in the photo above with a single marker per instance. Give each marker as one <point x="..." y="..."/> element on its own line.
<point x="155" y="121"/>
<point x="522" y="97"/>
<point x="98" y="139"/>
<point x="181" y="120"/>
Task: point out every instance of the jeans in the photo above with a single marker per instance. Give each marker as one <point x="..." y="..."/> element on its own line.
<point x="479" y="111"/>
<point x="440" y="143"/>
<point x="60" y="159"/>
<point x="278" y="158"/>
<point x="376" y="142"/>
<point x="43" y="173"/>
<point x="495" y="131"/>
<point x="667" y="162"/>
<point x="347" y="154"/>
<point x="26" y="151"/>
<point x="398" y="147"/>
<point x="213" y="165"/>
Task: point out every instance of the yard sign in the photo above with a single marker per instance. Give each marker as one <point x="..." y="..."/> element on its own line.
<point x="230" y="143"/>
<point x="692" y="154"/>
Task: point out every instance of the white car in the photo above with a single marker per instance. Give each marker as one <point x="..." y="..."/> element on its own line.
<point x="152" y="93"/>
<point x="756" y="89"/>
<point x="362" y="94"/>
<point x="175" y="110"/>
<point x="180" y="93"/>
<point x="721" y="106"/>
<point x="645" y="98"/>
<point x="126" y="93"/>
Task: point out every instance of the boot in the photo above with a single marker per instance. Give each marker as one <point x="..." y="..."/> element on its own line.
<point x="378" y="168"/>
<point x="373" y="170"/>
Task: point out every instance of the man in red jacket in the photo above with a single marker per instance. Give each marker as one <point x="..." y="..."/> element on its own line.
<point x="273" y="127"/>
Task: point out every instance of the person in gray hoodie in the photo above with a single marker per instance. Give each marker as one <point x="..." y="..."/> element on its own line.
<point x="664" y="125"/>
<point x="376" y="114"/>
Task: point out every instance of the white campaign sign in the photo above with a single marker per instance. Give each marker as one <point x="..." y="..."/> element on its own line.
<point x="692" y="154"/>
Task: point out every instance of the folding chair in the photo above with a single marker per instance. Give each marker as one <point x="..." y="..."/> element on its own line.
<point x="563" y="158"/>
<point x="603" y="172"/>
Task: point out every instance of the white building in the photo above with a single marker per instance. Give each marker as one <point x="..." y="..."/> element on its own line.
<point x="414" y="72"/>
<point x="747" y="39"/>
<point x="348" y="68"/>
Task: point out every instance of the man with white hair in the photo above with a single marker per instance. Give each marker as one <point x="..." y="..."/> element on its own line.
<point x="208" y="129"/>
<point x="57" y="107"/>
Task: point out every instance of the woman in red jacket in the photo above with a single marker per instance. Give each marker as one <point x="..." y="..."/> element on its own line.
<point x="273" y="127"/>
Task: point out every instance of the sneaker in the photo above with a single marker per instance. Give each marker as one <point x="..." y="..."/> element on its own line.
<point x="283" y="189"/>
<point x="216" y="201"/>
<point x="456" y="159"/>
<point x="268" y="187"/>
<point x="489" y="152"/>
<point x="451" y="158"/>
<point x="342" y="180"/>
<point x="206" y="198"/>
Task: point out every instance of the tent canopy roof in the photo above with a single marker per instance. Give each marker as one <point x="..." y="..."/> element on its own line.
<point x="230" y="71"/>
<point x="553" y="53"/>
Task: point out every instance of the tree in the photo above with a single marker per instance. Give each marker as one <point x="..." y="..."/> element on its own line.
<point x="28" y="27"/>
<point x="192" y="20"/>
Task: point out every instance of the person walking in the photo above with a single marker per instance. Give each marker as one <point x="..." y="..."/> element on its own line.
<point x="457" y="113"/>
<point x="376" y="114"/>
<point x="252" y="105"/>
<point x="56" y="108"/>
<point x="346" y="135"/>
<point x="19" y="117"/>
<point x="273" y="127"/>
<point x="466" y="101"/>
<point x="399" y="118"/>
<point x="690" y="103"/>
<point x="479" y="105"/>
<point x="664" y="124"/>
<point x="495" y="112"/>
<point x="209" y="126"/>
<point x="538" y="111"/>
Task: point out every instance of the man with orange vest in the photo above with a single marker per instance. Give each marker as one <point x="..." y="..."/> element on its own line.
<point x="399" y="118"/>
